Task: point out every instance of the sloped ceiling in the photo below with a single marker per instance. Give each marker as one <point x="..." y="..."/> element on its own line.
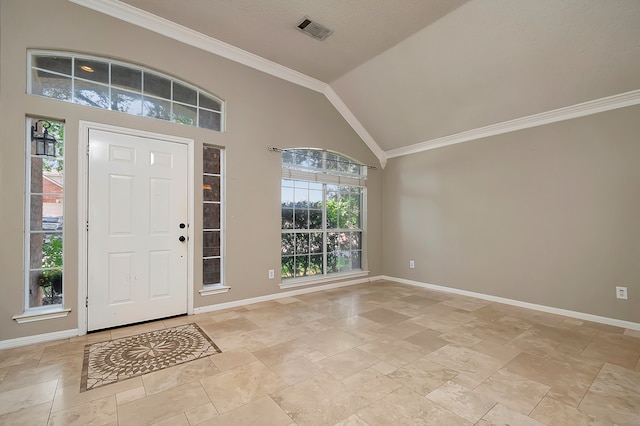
<point x="267" y="28"/>
<point x="406" y="73"/>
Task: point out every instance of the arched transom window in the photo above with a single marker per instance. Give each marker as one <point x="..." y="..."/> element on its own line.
<point x="117" y="86"/>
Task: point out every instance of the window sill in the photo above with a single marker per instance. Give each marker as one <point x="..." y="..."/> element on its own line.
<point x="41" y="314"/>
<point x="302" y="282"/>
<point x="214" y="289"/>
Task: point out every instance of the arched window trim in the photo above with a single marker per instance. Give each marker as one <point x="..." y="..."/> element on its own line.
<point x="207" y="111"/>
<point x="321" y="165"/>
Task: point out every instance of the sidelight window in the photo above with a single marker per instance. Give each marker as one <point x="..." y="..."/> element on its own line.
<point x="45" y="214"/>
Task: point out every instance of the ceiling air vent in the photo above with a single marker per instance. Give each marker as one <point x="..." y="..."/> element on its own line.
<point x="314" y="29"/>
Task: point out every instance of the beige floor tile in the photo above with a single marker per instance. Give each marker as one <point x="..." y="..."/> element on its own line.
<point x="404" y="407"/>
<point x="239" y="341"/>
<point x="241" y="385"/>
<point x="347" y="363"/>
<point x="27" y="396"/>
<point x="555" y="413"/>
<point x="496" y="347"/>
<point x="401" y="330"/>
<point x="538" y="317"/>
<point x="228" y="327"/>
<point x="296" y="370"/>
<point x="626" y="353"/>
<point x="428" y="340"/>
<point x="319" y="400"/>
<point x="233" y="358"/>
<point x="632" y="333"/>
<point x="200" y="414"/>
<point x="350" y="322"/>
<point x="614" y="395"/>
<point x="61" y="354"/>
<point x="466" y="303"/>
<point x="384" y="316"/>
<point x="29" y="355"/>
<point x="460" y="336"/>
<point x="263" y="412"/>
<point x="515" y="322"/>
<point x="177" y="420"/>
<point x="33" y="415"/>
<point x="419" y="300"/>
<point x="352" y="420"/>
<point x="67" y="373"/>
<point x="130" y="395"/>
<point x="534" y="342"/>
<point x="568" y="384"/>
<point x="493" y="329"/>
<point x="384" y="368"/>
<point x="368" y="333"/>
<point x="278" y="354"/>
<point x="98" y="412"/>
<point x="163" y="405"/>
<point x="364" y="349"/>
<point x="396" y="352"/>
<point x="467" y="404"/>
<point x="273" y="336"/>
<point x="474" y="364"/>
<point x="491" y="312"/>
<point x="167" y="378"/>
<point x="370" y="384"/>
<point x="331" y="342"/>
<point x="443" y="321"/>
<point x="423" y="376"/>
<point x="514" y="391"/>
<point x="501" y="415"/>
<point x="70" y="396"/>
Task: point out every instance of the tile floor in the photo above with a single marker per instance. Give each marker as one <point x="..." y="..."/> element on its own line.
<point x="374" y="354"/>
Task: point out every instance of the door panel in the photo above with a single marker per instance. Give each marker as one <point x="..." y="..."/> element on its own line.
<point x="138" y="196"/>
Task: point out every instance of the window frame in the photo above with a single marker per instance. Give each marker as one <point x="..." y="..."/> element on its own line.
<point x="29" y="156"/>
<point x="221" y="287"/>
<point x="111" y="87"/>
<point x="353" y="175"/>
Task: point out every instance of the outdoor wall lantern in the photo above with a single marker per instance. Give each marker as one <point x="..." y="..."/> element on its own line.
<point x="45" y="143"/>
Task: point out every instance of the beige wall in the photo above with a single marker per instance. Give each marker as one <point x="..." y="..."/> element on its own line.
<point x="261" y="111"/>
<point x="548" y="215"/>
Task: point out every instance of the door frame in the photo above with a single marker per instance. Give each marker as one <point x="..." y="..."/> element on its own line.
<point x="83" y="209"/>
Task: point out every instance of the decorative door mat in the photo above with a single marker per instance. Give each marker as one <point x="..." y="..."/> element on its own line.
<point x="121" y="359"/>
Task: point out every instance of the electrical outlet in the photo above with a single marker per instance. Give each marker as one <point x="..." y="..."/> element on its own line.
<point x="412" y="264"/>
<point x="272" y="274"/>
<point x="621" y="293"/>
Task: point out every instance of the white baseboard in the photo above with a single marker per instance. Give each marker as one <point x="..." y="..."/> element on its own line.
<point x="252" y="300"/>
<point x="38" y="338"/>
<point x="549" y="309"/>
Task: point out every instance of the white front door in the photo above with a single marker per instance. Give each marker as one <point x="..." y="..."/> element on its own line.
<point x="137" y="229"/>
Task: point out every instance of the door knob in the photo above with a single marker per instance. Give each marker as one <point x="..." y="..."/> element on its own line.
<point x="182" y="238"/>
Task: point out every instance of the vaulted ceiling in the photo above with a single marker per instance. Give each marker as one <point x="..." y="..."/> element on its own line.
<point x="413" y="74"/>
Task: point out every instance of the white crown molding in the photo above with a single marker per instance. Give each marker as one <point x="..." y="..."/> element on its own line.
<point x="542" y="308"/>
<point x="151" y="22"/>
<point x="567" y="113"/>
<point x="342" y="108"/>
